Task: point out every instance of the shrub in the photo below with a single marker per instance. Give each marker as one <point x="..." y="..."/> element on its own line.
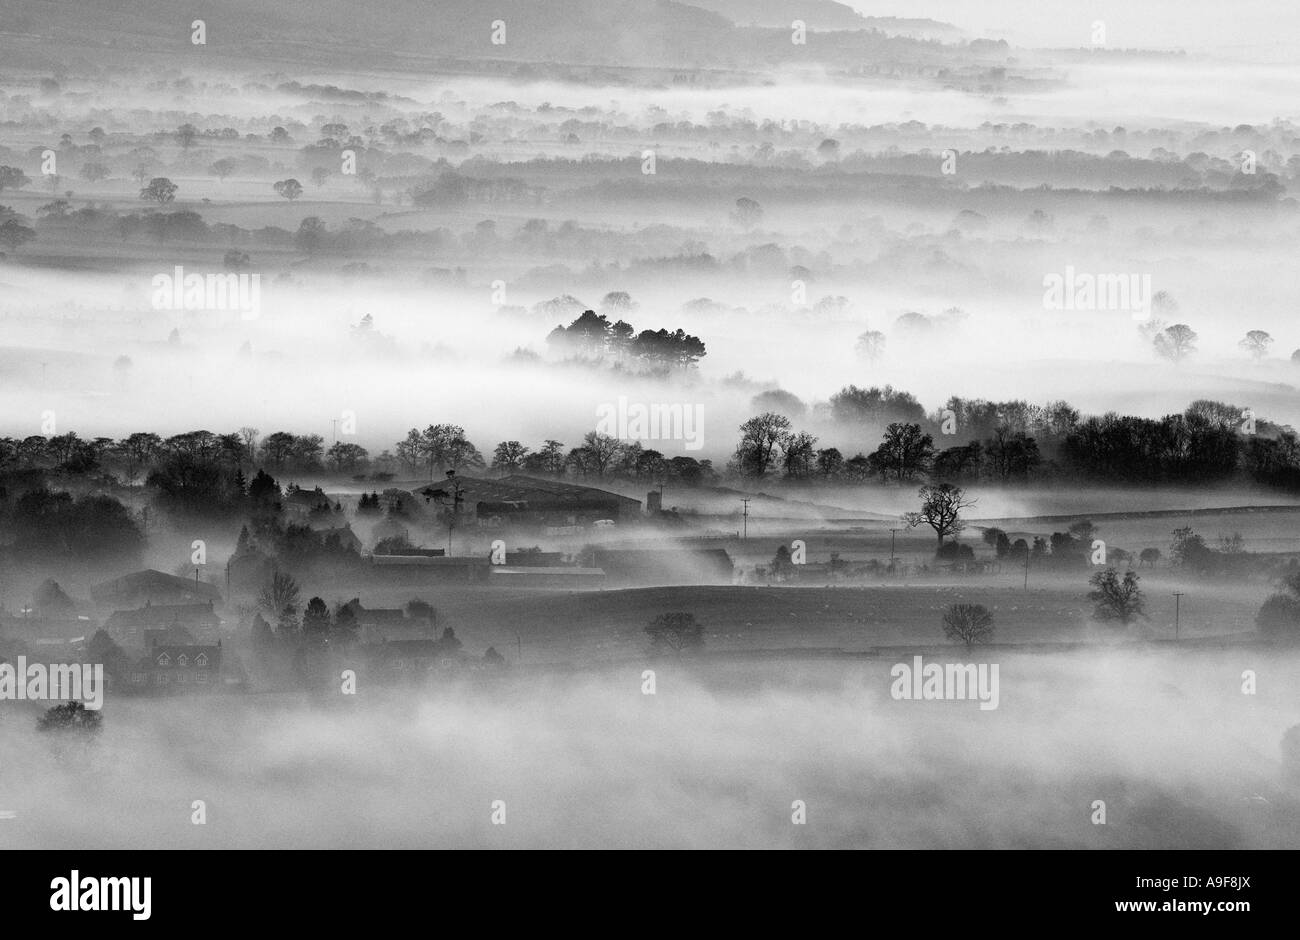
<point x="72" y="716"/>
<point x="1279" y="618"/>
<point x="677" y="631"/>
<point x="969" y="623"/>
<point x="955" y="551"/>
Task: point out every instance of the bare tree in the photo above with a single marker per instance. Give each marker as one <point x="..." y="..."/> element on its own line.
<point x="969" y="623"/>
<point x="1116" y="598"/>
<point x="941" y="506"/>
<point x="279" y="594"/>
<point x="250" y="440"/>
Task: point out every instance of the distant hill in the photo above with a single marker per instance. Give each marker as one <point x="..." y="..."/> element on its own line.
<point x="415" y="34"/>
<point x="821" y="14"/>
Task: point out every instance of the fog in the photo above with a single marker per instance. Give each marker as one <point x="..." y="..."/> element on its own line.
<point x="839" y="239"/>
<point x="1181" y="758"/>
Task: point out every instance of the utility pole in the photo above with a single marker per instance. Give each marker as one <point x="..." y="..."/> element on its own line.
<point x="335" y="422"/>
<point x="1178" y="603"/>
<point x="745" y="500"/>
<point x="892" y="532"/>
<point x="457" y="497"/>
<point x="1026" y="568"/>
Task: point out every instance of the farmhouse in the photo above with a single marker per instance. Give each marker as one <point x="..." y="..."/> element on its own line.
<point x="304" y="503"/>
<point x="378" y="624"/>
<point x="523" y="501"/>
<point x="158" y="621"/>
<point x="152" y="587"/>
<point x="346" y="538"/>
<point x="183" y="668"/>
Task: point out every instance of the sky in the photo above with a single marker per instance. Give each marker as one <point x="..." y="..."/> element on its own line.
<point x="1241" y="28"/>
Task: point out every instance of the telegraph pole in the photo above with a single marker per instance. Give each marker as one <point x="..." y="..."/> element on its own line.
<point x="1026" y="568"/>
<point x="892" y="532"/>
<point x="1178" y="598"/>
<point x="457" y="497"/>
<point x="745" y="500"/>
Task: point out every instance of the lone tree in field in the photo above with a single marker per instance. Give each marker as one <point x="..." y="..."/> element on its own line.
<point x="677" y="631"/>
<point x="290" y="189"/>
<point x="1256" y="343"/>
<point x="969" y="623"/>
<point x="1116" y="598"/>
<point x="1176" y="343"/>
<point x="160" y="190"/>
<point x="941" y="506"/>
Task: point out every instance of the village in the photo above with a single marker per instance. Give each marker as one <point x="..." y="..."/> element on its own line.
<point x="160" y="633"/>
<point x="257" y="619"/>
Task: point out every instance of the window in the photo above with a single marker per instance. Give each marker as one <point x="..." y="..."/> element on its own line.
<point x="201" y="678"/>
<point x="201" y="659"/>
<point x="182" y="660"/>
<point x="164" y="659"/>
